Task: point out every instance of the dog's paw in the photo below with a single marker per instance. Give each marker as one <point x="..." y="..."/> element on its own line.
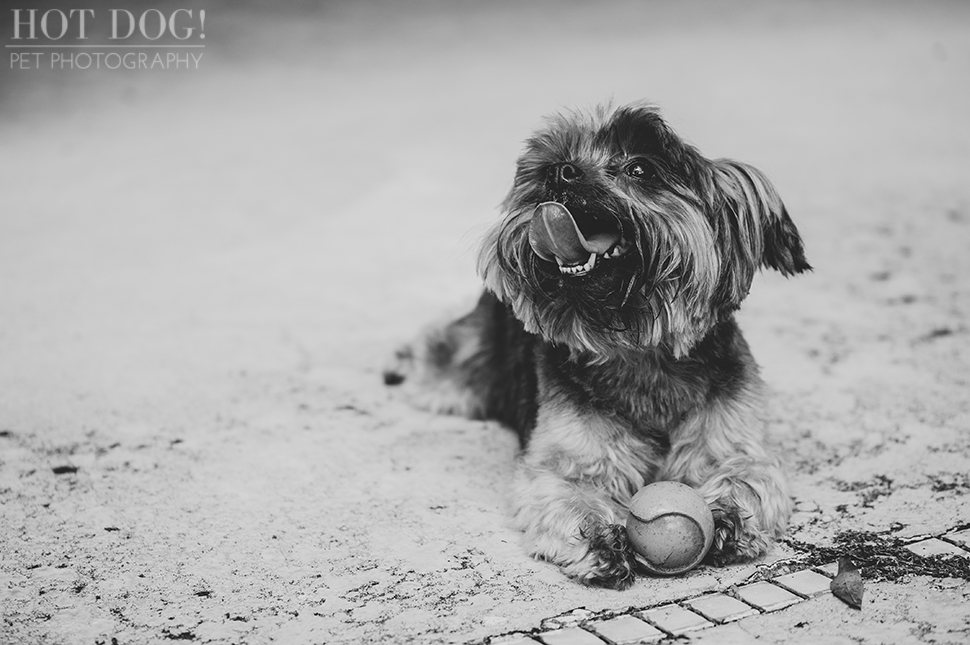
<point x="427" y="387"/>
<point x="401" y="365"/>
<point x="609" y="562"/>
<point x="736" y="539"/>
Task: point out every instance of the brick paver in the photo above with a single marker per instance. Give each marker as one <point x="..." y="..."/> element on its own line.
<point x="807" y="583"/>
<point x="731" y="634"/>
<point x="934" y="546"/>
<point x="675" y="619"/>
<point x="960" y="537"/>
<point x="515" y="639"/>
<point x="720" y="608"/>
<point x="627" y="629"/>
<point x="832" y="568"/>
<point x="768" y="597"/>
<point x="570" y="636"/>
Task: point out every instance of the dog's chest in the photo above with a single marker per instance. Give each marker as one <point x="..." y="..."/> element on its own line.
<point x="642" y="394"/>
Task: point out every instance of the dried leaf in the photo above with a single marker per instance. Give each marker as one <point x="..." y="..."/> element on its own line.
<point x="847" y="584"/>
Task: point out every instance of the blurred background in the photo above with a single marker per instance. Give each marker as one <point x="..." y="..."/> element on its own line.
<point x="328" y="167"/>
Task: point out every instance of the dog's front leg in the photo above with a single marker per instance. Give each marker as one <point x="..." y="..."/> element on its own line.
<point x="720" y="451"/>
<point x="573" y="525"/>
<point x="570" y="496"/>
<point x="750" y="499"/>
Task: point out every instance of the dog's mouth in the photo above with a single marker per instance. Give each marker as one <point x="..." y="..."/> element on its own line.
<point x="575" y="241"/>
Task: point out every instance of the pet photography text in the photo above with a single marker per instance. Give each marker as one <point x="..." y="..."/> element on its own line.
<point x="83" y="39"/>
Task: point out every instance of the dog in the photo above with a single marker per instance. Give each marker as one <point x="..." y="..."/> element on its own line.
<point x="606" y="338"/>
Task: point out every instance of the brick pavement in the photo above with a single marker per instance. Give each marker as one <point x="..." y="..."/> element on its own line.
<point x="710" y="611"/>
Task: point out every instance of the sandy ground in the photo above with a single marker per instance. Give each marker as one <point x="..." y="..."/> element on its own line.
<point x="201" y="273"/>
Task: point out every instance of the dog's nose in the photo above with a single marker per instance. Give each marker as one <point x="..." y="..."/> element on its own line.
<point x="564" y="173"/>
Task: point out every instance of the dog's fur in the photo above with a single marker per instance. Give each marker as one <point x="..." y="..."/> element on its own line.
<point x="635" y="370"/>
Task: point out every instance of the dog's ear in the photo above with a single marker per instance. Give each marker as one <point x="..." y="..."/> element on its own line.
<point x="753" y="224"/>
<point x="752" y="229"/>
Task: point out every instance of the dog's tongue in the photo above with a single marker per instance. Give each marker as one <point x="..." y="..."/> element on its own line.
<point x="553" y="234"/>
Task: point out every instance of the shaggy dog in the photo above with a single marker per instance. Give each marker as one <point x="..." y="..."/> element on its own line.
<point x="606" y="338"/>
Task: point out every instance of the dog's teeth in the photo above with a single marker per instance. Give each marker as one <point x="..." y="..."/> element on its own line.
<point x="579" y="269"/>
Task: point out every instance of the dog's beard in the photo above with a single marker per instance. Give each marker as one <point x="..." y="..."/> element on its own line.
<point x="656" y="294"/>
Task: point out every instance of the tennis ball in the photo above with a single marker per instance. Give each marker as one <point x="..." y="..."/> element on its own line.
<point x="671" y="526"/>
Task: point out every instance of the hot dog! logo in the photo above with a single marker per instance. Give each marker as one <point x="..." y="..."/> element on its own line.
<point x="65" y="39"/>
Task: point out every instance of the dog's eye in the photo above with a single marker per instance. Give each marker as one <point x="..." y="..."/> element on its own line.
<point x="638" y="170"/>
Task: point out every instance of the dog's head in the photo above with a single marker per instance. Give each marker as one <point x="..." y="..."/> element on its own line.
<point x="619" y="235"/>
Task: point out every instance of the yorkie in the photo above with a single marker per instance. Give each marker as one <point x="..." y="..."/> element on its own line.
<point x="606" y="338"/>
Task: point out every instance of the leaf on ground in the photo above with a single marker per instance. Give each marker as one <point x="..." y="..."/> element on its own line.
<point x="847" y="584"/>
